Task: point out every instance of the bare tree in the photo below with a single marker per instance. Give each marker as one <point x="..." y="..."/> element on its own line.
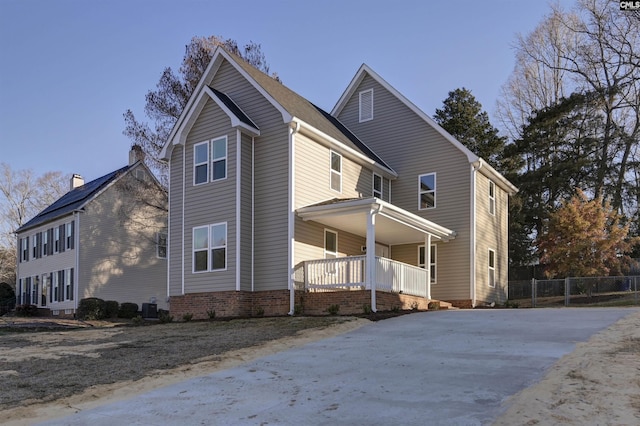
<point x="23" y="195"/>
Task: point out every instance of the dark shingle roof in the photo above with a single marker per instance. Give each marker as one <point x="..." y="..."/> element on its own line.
<point x="73" y="199"/>
<point x="301" y="108"/>
<point x="234" y="108"/>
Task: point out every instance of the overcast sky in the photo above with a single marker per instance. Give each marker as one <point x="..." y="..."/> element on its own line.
<point x="69" y="69"/>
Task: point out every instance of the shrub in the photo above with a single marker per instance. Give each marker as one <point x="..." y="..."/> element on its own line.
<point x="26" y="310"/>
<point x="137" y="320"/>
<point x="211" y="314"/>
<point x="187" y="317"/>
<point x="333" y="309"/>
<point x="111" y="308"/>
<point x="164" y="317"/>
<point x="366" y="309"/>
<point x="260" y="311"/>
<point x="395" y="309"/>
<point x="433" y="306"/>
<point x="298" y="309"/>
<point x="128" y="310"/>
<point x="92" y="308"/>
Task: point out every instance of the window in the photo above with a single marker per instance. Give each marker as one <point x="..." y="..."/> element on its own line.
<point x="24" y="249"/>
<point x="161" y="245"/>
<point x="69" y="236"/>
<point x="140" y="175"/>
<point x="219" y="159"/>
<point x="330" y="244"/>
<point x="68" y="280"/>
<point x="432" y="263"/>
<point x="366" y="105"/>
<point x="200" y="163"/>
<point x="56" y="239"/>
<point x="492" y="198"/>
<point x="427" y="191"/>
<point x="34" y="246"/>
<point x="211" y="238"/>
<point x="219" y="246"/>
<point x="34" y="290"/>
<point x="55" y="286"/>
<point x="45" y="243"/>
<point x="336" y="171"/>
<point x="377" y="186"/>
<point x="492" y="268"/>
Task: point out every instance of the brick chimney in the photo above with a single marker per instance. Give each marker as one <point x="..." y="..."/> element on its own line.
<point x="76" y="181"/>
<point x="135" y="154"/>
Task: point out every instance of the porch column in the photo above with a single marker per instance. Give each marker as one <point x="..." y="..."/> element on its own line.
<point x="371" y="256"/>
<point x="427" y="262"/>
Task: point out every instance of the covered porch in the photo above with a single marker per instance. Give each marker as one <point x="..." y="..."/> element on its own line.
<point x="379" y="222"/>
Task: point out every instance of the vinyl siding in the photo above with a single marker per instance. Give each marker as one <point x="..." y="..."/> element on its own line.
<point x="245" y="214"/>
<point x="211" y="202"/>
<point x="310" y="241"/>
<point x="48" y="264"/>
<point x="412" y="147"/>
<point x="117" y="254"/>
<point x="175" y="222"/>
<point x="491" y="233"/>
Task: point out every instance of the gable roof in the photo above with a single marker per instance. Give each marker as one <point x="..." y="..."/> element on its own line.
<point x="289" y="103"/>
<point x="74" y="199"/>
<point x="477" y="162"/>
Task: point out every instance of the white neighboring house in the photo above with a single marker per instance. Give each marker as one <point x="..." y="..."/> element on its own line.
<point x="105" y="239"/>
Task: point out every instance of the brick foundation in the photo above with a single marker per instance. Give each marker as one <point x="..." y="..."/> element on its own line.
<point x="462" y="304"/>
<point x="276" y="303"/>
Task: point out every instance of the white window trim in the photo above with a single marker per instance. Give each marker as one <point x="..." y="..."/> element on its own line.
<point x="435" y="191"/>
<point x="206" y="162"/>
<point x="434" y="251"/>
<point x="373" y="186"/>
<point x="225" y="158"/>
<point x="360" y="106"/>
<point x="68" y="235"/>
<point x="492" y="198"/>
<point x="209" y="248"/>
<point x="335" y="254"/>
<point x="491" y="268"/>
<point x="45" y="243"/>
<point x="331" y="171"/>
<point x="54" y="287"/>
<point x="56" y="240"/>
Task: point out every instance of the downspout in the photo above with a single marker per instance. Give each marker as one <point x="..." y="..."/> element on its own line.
<point x="253" y="216"/>
<point x="475" y="166"/>
<point x="184" y="188"/>
<point x="293" y="129"/>
<point x="166" y="300"/>
<point x="238" y="194"/>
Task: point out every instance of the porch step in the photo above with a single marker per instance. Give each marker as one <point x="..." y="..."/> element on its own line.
<point x="444" y="305"/>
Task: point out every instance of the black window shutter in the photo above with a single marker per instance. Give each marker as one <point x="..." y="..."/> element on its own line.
<point x="26" y="255"/>
<point x="60" y="286"/>
<point x="51" y="242"/>
<point x="63" y="240"/>
<point x="28" y="285"/>
<point x="71" y="285"/>
<point x="36" y="291"/>
<point x="50" y="287"/>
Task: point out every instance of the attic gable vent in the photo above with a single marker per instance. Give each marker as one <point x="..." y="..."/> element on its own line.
<point x="366" y="105"/>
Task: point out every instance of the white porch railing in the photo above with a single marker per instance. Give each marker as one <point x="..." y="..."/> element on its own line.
<point x="348" y="273"/>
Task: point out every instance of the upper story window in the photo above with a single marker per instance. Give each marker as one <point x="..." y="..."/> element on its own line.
<point x="200" y="163"/>
<point x="24" y="249"/>
<point x="432" y="261"/>
<point x="492" y="198"/>
<point x="56" y="239"/>
<point x="69" y="235"/>
<point x="366" y="105"/>
<point x="427" y="191"/>
<point x="492" y="268"/>
<point x="202" y="158"/>
<point x="377" y="186"/>
<point x="330" y="244"/>
<point x="336" y="171"/>
<point x="45" y="243"/>
<point x="35" y="246"/>
<point x="219" y="159"/>
<point x="161" y="245"/>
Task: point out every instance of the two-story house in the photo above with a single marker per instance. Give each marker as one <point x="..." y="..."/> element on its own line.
<point x="105" y="238"/>
<point x="276" y="206"/>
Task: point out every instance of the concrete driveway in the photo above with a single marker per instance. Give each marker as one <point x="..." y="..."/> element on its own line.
<point x="446" y="367"/>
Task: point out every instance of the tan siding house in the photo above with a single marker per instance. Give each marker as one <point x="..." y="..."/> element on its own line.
<point x="321" y="203"/>
<point x="102" y="239"/>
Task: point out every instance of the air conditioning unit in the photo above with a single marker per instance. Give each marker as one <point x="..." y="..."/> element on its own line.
<point x="149" y="310"/>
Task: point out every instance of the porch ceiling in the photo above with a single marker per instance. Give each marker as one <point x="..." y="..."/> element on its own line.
<point x="393" y="224"/>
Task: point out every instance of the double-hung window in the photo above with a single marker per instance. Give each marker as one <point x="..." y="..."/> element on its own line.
<point x="56" y="239"/>
<point x="377" y="186"/>
<point x="24" y="249"/>
<point x="45" y="243"/>
<point x="210" y="247"/>
<point x="201" y="163"/>
<point x="366" y="105"/>
<point x="427" y="191"/>
<point x="34" y="246"/>
<point x="336" y="171"/>
<point x="492" y="198"/>
<point x="68" y="291"/>
<point x="219" y="159"/>
<point x="212" y="152"/>
<point x="492" y="268"/>
<point x="432" y="261"/>
<point x="69" y="236"/>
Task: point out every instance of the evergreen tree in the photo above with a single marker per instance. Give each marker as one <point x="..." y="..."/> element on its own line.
<point x="462" y="116"/>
